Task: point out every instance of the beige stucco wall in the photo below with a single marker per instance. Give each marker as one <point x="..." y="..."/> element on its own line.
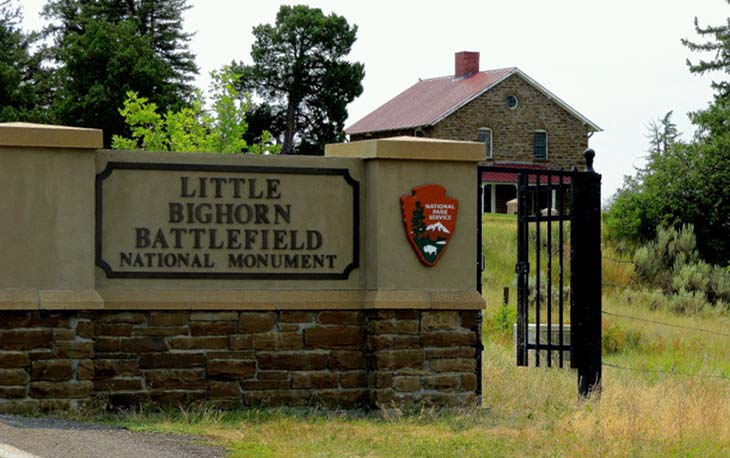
<point x="47" y="213"/>
<point x="49" y="247"/>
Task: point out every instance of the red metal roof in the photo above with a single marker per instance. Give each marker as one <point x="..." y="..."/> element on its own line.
<point x="494" y="176"/>
<point x="428" y="101"/>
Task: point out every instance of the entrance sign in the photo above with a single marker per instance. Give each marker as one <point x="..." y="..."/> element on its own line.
<point x="238" y="265"/>
<point x="197" y="221"/>
<point x="429" y="217"/>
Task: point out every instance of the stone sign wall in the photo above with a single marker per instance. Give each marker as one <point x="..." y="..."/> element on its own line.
<point x="237" y="280"/>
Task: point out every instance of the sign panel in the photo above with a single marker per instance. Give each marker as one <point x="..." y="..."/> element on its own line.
<point x="196" y="221"/>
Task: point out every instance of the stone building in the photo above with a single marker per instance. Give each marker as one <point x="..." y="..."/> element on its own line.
<point x="519" y="121"/>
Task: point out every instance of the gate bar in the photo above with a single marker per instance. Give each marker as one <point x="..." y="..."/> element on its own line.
<point x="538" y="266"/>
<point x="585" y="282"/>
<point x="522" y="270"/>
<point x="560" y="267"/>
<point x="550" y="271"/>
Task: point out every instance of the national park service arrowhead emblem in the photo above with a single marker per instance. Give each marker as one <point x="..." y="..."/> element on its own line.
<point x="429" y="217"/>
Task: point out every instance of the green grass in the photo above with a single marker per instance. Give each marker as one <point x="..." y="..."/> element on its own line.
<point x="527" y="411"/>
<point x="499" y="245"/>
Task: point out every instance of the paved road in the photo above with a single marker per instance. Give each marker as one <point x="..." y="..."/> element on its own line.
<point x="27" y="437"/>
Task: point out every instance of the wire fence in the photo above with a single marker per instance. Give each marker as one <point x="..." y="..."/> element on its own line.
<point x="662" y="323"/>
<point x="613" y="285"/>
<point x="618" y="261"/>
<point x="664" y="372"/>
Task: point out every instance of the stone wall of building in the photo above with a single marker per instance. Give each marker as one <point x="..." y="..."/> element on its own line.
<point x="513" y="129"/>
<point x="58" y="360"/>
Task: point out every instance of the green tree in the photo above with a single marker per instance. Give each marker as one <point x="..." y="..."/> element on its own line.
<point x="686" y="184"/>
<point x="301" y="73"/>
<point x="21" y="95"/>
<point x="193" y="128"/>
<point x="663" y="134"/>
<point x="717" y="44"/>
<point x="654" y="196"/>
<point x="102" y="50"/>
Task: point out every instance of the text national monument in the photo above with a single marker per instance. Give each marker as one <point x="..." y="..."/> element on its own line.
<point x="237" y="280"/>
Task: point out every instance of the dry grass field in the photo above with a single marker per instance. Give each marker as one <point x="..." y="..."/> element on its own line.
<point x="666" y="394"/>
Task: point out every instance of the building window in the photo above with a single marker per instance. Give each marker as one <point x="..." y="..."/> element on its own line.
<point x="484" y="135"/>
<point x="512" y="101"/>
<point x="540" y="145"/>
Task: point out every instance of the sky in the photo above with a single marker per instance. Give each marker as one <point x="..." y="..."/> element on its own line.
<point x="620" y="63"/>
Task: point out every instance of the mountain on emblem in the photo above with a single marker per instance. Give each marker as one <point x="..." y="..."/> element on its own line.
<point x="429" y="217"/>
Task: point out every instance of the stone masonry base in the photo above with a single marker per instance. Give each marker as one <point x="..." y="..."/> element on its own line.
<point x="374" y="358"/>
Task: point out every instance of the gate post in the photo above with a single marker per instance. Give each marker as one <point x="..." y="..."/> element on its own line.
<point x="585" y="272"/>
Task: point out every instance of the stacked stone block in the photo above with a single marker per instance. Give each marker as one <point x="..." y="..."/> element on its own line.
<point x="420" y="356"/>
<point x="229" y="358"/>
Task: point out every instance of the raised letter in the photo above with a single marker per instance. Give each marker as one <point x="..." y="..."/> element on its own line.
<point x="184" y="188"/>
<point x="314" y="240"/>
<point x="218" y="182"/>
<point x="176" y="212"/>
<point x="160" y="241"/>
<point x="293" y="244"/>
<point x="279" y="240"/>
<point x="262" y="214"/>
<point x="235" y="260"/>
<point x="143" y="237"/>
<point x="284" y="211"/>
<point x="252" y="190"/>
<point x="211" y="244"/>
<point x="126" y="258"/>
<point x="203" y="217"/>
<point x="272" y="188"/>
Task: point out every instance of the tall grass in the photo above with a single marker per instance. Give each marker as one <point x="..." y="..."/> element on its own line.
<point x="499" y="246"/>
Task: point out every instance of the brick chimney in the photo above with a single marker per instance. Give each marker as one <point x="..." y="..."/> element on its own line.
<point x="466" y="64"/>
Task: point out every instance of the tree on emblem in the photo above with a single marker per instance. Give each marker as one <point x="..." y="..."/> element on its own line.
<point x="417" y="222"/>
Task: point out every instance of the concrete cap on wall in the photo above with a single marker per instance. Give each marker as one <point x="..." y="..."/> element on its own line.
<point x="410" y="148"/>
<point x="27" y="135"/>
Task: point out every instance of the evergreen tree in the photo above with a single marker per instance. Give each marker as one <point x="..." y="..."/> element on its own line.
<point x="104" y="49"/>
<point x="718" y="44"/>
<point x="300" y="72"/>
<point x="663" y="134"/>
<point x="20" y="72"/>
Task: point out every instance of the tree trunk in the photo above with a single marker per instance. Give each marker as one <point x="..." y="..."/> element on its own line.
<point x="291" y="111"/>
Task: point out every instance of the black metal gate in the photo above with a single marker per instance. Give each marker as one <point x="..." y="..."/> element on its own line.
<point x="547" y="202"/>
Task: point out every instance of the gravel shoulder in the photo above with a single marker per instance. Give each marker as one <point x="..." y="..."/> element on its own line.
<point x="56" y="438"/>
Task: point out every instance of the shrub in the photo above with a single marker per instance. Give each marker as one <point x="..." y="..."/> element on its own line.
<point x="505" y="317"/>
<point x="687" y="302"/>
<point x="616" y="339"/>
<point x="671" y="264"/>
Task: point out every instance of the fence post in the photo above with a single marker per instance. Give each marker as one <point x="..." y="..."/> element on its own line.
<point x="585" y="273"/>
